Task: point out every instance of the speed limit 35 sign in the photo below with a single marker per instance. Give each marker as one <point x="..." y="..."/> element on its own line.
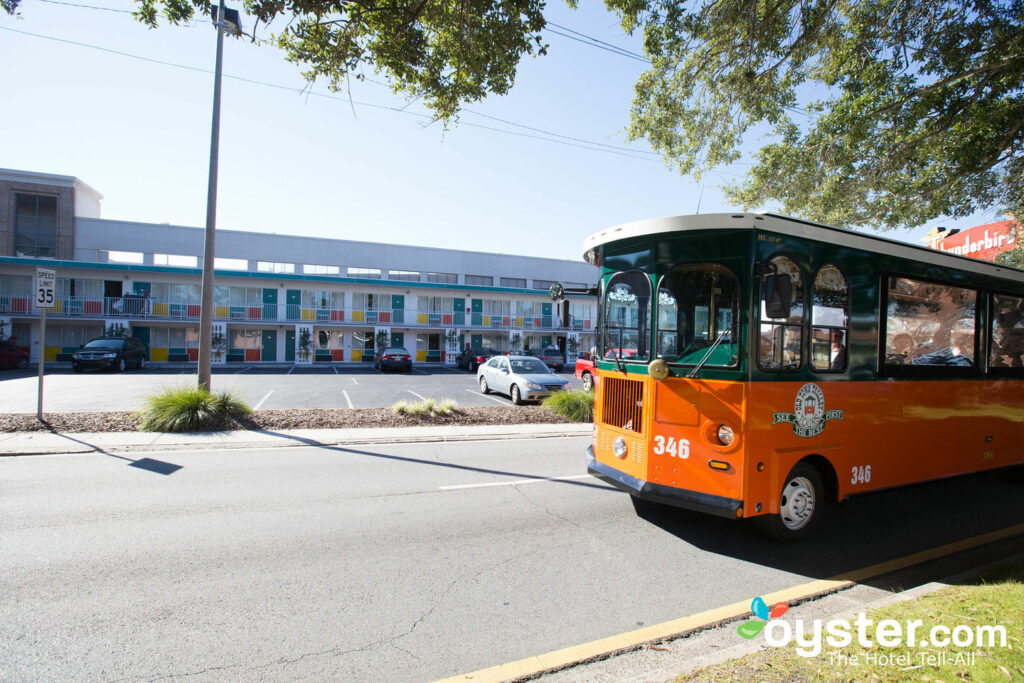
<point x="46" y="284"/>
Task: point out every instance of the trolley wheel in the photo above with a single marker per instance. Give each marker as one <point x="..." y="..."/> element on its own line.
<point x="588" y="381"/>
<point x="801" y="506"/>
<point x="484" y="389"/>
<point x="515" y="396"/>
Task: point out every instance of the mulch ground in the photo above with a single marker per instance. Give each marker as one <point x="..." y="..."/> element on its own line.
<point x="290" y="419"/>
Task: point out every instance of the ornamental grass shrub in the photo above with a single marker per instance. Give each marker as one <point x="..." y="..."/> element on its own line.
<point x="190" y="409"/>
<point x="428" y="407"/>
<point x="576" y="405"/>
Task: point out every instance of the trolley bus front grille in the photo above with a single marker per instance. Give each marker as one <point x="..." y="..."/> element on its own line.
<point x="623" y="403"/>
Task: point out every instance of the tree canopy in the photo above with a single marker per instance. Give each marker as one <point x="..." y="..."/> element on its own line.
<point x="881" y="113"/>
<point x="878" y="113"/>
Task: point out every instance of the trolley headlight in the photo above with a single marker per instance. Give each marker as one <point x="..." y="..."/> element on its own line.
<point x="725" y="435"/>
<point x="619" y="447"/>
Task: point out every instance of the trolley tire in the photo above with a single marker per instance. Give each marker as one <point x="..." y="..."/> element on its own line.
<point x="588" y="381"/>
<point x="803" y="486"/>
<point x="516" y="397"/>
<point x="484" y="389"/>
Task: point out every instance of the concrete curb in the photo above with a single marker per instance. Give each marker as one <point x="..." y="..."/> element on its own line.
<point x="46" y="443"/>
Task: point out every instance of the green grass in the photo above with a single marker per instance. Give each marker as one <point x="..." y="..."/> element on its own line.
<point x="190" y="409"/>
<point x="577" y="406"/>
<point x="426" y="408"/>
<point x="993" y="599"/>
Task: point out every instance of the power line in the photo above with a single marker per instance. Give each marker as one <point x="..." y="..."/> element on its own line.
<point x="71" y="4"/>
<point x="621" y="50"/>
<point x="566" y="140"/>
<point x="613" y="50"/>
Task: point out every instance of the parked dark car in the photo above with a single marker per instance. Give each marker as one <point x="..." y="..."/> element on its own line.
<point x="12" y="357"/>
<point x="475" y="356"/>
<point x="393" y="358"/>
<point x="109" y="353"/>
<point x="551" y="356"/>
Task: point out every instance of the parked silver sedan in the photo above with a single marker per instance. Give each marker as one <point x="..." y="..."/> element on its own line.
<point x="523" y="378"/>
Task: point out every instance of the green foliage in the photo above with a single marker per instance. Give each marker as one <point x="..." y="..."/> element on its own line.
<point x="881" y="113"/>
<point x="428" y="407"/>
<point x="448" y="53"/>
<point x="576" y="405"/>
<point x="1015" y="256"/>
<point x="190" y="409"/>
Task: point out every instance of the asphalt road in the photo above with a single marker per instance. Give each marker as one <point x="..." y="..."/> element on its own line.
<point x="262" y="387"/>
<point x="398" y="563"/>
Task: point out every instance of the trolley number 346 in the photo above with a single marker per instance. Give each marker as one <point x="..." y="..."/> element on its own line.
<point x="676" y="449"/>
<point x="860" y="475"/>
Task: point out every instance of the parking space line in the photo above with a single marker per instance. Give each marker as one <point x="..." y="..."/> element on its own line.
<point x="291" y="369"/>
<point x="354" y="380"/>
<point x="347" y="399"/>
<point x="422" y="398"/>
<point x="257" y="406"/>
<point x="335" y="368"/>
<point x="517" y="482"/>
<point x="496" y="400"/>
<point x="420" y="371"/>
<point x="242" y="370"/>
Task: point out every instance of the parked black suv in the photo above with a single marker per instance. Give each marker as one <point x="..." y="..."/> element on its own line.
<point x="474" y="357"/>
<point x="551" y="355"/>
<point x="109" y="353"/>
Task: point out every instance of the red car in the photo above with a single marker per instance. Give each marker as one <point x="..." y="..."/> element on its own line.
<point x="585" y="367"/>
<point x="12" y="357"/>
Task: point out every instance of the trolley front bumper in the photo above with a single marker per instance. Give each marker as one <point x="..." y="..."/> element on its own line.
<point x="666" y="495"/>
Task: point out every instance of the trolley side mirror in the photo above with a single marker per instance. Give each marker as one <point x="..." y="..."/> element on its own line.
<point x="778" y="295"/>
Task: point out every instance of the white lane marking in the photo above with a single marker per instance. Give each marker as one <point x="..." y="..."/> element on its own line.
<point x="496" y="400"/>
<point x="422" y="398"/>
<point x="354" y="381"/>
<point x="262" y="400"/>
<point x="420" y="371"/>
<point x="347" y="399"/>
<point x="335" y="369"/>
<point x="242" y="370"/>
<point x="291" y="370"/>
<point x="516" y="482"/>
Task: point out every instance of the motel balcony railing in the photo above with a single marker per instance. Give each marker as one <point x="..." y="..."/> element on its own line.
<point x="138" y="308"/>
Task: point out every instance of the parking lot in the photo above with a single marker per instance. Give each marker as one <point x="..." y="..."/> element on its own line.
<point x="262" y="386"/>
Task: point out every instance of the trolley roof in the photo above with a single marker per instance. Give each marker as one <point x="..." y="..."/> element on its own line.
<point x="794" y="227"/>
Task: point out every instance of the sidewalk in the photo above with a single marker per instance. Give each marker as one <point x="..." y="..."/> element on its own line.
<point x="42" y="443"/>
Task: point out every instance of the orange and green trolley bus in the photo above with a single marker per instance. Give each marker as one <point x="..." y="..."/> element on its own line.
<point x="759" y="366"/>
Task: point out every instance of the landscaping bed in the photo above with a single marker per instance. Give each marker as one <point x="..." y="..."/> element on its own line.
<point x="124" y="421"/>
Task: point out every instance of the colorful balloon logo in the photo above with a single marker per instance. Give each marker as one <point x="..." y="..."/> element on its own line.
<point x="750" y="629"/>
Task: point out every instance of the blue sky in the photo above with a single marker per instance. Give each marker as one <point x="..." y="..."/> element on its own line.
<point x="314" y="163"/>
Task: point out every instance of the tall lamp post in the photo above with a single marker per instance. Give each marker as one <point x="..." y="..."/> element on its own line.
<point x="224" y="19"/>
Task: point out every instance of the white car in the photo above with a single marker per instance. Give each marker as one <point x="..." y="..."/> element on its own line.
<point x="523" y="378"/>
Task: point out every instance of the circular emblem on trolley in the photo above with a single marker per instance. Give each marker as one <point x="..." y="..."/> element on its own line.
<point x="809" y="415"/>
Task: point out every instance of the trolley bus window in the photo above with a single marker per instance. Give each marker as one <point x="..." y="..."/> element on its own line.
<point x="697" y="304"/>
<point x="829" y="315"/>
<point x="781" y="338"/>
<point x="1007" y="332"/>
<point x="626" y="315"/>
<point x="929" y="324"/>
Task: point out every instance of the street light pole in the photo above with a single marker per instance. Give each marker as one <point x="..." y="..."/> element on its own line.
<point x="206" y="310"/>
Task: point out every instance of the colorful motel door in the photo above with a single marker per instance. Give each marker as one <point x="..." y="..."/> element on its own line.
<point x="142" y="334"/>
<point x="289" y="346"/>
<point x="459" y="312"/>
<point x="269" y="346"/>
<point x="477" y="306"/>
<point x="476" y="340"/>
<point x="397" y="309"/>
<point x="269" y="304"/>
<point x="397" y="339"/>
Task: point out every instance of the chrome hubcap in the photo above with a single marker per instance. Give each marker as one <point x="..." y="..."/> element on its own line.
<point x="797" y="504"/>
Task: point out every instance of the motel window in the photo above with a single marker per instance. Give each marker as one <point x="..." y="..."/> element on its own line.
<point x="929" y="325"/>
<point x="481" y="280"/>
<point x="543" y="284"/>
<point x="368" y="273"/>
<point x="404" y="275"/>
<point x="1006" y="356"/>
<point x="315" y="269"/>
<point x="514" y="282"/>
<point x="781" y="331"/>
<point x="35" y="225"/>
<point x="274" y="267"/>
<point x="445" y="278"/>
<point x="829" y="319"/>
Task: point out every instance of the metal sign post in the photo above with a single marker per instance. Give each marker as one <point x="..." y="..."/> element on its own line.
<point x="46" y="280"/>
